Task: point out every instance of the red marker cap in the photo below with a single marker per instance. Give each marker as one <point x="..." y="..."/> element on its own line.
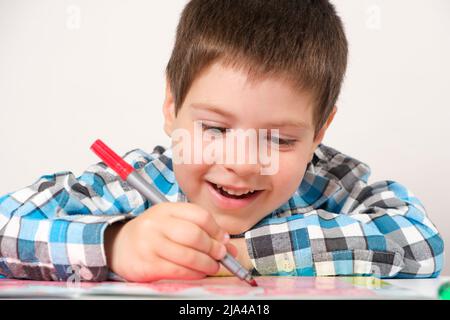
<point x="111" y="158"/>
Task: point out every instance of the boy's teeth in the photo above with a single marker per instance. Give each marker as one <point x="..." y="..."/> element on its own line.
<point x="234" y="192"/>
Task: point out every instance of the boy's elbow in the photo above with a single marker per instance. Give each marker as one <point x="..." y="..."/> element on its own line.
<point x="427" y="262"/>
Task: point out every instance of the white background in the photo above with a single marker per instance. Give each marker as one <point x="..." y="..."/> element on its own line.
<point x="74" y="71"/>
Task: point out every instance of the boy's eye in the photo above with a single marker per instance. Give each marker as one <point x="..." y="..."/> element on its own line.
<point x="214" y="129"/>
<point x="273" y="139"/>
<point x="285" y="142"/>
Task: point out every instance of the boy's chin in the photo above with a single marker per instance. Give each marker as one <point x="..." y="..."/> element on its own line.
<point x="232" y="224"/>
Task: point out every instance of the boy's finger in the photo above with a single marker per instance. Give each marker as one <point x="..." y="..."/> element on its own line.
<point x="188" y="257"/>
<point x="217" y="250"/>
<point x="231" y="249"/>
<point x="204" y="220"/>
<point x="189" y="234"/>
<point x="170" y="270"/>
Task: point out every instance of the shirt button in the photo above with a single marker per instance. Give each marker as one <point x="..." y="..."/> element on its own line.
<point x="287" y="265"/>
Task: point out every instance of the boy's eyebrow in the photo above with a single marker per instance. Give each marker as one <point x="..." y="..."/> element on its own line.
<point x="213" y="108"/>
<point x="223" y="112"/>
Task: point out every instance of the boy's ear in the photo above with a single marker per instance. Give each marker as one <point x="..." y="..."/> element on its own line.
<point x="321" y="133"/>
<point x="168" y="110"/>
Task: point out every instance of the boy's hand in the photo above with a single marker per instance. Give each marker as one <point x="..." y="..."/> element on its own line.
<point x="168" y="241"/>
<point x="238" y="249"/>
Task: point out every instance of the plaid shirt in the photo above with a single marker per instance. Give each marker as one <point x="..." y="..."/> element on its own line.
<point x="334" y="224"/>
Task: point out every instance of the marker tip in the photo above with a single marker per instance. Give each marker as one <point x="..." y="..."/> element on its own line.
<point x="253" y="283"/>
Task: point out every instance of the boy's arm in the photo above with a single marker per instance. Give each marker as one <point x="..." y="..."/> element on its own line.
<point x="55" y="227"/>
<point x="384" y="232"/>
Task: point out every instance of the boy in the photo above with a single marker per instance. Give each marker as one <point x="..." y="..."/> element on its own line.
<point x="260" y="64"/>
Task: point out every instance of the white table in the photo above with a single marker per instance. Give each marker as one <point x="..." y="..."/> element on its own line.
<point x="428" y="288"/>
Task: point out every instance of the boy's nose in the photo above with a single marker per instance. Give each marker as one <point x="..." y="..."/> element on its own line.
<point x="243" y="169"/>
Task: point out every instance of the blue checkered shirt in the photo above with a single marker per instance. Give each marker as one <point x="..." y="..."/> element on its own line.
<point x="334" y="224"/>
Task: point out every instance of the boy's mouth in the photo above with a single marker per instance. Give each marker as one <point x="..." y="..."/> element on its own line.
<point x="226" y="200"/>
<point x="235" y="195"/>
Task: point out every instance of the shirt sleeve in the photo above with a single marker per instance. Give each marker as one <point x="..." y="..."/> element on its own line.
<point x="384" y="232"/>
<point x="54" y="228"/>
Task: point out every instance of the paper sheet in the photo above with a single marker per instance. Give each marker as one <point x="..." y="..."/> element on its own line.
<point x="213" y="288"/>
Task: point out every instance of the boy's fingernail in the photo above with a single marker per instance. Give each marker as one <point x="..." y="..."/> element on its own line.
<point x="226" y="238"/>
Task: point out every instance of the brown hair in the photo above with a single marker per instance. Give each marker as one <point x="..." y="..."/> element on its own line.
<point x="302" y="41"/>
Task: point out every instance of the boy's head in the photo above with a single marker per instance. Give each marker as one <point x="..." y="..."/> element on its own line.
<point x="260" y="63"/>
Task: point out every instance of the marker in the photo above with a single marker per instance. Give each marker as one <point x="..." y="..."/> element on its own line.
<point x="444" y="291"/>
<point x="128" y="174"/>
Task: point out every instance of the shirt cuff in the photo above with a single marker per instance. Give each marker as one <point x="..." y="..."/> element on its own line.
<point x="87" y="260"/>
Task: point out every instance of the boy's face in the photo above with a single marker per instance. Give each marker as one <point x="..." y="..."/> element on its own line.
<point x="260" y="105"/>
